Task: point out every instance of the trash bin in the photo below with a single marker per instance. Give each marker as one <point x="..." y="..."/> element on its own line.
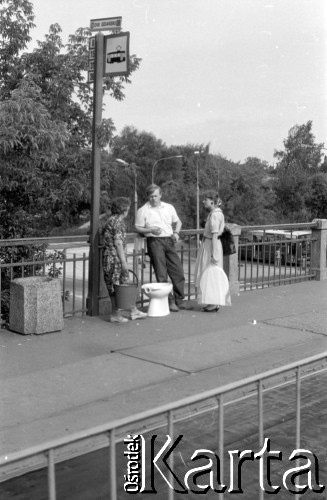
<point x="35" y="305"/>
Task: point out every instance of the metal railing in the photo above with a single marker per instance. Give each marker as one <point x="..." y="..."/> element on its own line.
<point x="275" y="255"/>
<point x="48" y="257"/>
<point x="68" y="257"/>
<point x="187" y="250"/>
<point x="111" y="435"/>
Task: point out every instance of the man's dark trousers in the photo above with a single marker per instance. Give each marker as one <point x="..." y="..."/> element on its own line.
<point x="166" y="262"/>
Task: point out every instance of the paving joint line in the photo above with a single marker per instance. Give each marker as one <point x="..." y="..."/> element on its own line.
<point x="290" y="327"/>
<point x="153" y="362"/>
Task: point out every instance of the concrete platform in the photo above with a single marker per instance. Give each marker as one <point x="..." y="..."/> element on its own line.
<point x="93" y="371"/>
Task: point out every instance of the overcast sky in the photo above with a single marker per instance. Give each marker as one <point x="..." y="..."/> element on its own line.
<point x="237" y="74"/>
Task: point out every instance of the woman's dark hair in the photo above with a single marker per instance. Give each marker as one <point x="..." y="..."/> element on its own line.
<point x="119" y="205"/>
<point x="214" y="196"/>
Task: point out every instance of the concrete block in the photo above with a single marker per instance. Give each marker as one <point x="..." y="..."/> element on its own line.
<point x="35" y="305"/>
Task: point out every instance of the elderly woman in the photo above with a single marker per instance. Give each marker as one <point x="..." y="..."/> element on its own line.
<point x="115" y="267"/>
<point x="210" y="278"/>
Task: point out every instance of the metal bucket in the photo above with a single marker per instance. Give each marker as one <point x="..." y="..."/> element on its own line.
<point x="126" y="295"/>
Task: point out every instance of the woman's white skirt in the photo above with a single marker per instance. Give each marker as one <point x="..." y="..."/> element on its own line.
<point x="210" y="279"/>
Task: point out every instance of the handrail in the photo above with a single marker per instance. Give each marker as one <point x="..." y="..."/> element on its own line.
<point x="239" y="276"/>
<point x="44" y="240"/>
<point x="130" y="236"/>
<point x="308" y="225"/>
<point x="144" y="415"/>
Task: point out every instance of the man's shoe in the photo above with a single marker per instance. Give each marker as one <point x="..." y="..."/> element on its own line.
<point x="137" y="314"/>
<point x="173" y="307"/>
<point x="185" y="306"/>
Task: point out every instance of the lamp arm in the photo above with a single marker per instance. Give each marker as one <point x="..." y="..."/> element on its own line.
<point x="152" y="176"/>
<point x="162" y="159"/>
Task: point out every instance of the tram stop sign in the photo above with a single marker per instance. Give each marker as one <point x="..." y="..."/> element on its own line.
<point x="116" y="54"/>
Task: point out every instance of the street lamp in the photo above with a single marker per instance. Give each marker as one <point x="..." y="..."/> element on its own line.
<point x="197" y="154"/>
<point x="161" y="159"/>
<point x="126" y="164"/>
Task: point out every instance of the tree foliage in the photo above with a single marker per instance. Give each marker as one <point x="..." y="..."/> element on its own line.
<point x="45" y="132"/>
<point x="46" y="124"/>
<point x="45" y="147"/>
<point x="317" y="198"/>
<point x="298" y="165"/>
<point x="16" y="21"/>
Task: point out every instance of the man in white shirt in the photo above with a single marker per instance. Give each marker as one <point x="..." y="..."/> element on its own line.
<point x="160" y="224"/>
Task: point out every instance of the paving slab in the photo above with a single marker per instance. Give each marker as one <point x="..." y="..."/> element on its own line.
<point x="315" y="322"/>
<point x="60" y="389"/>
<point x="93" y="371"/>
<point x="217" y="348"/>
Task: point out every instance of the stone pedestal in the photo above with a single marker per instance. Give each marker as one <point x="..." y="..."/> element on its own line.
<point x="35" y="305"/>
<point x="319" y="249"/>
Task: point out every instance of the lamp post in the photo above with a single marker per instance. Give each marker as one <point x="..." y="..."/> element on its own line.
<point x="197" y="154"/>
<point x="161" y="159"/>
<point x="126" y="164"/>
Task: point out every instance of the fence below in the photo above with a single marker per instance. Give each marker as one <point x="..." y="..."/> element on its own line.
<point x="65" y="258"/>
<point x="267" y="256"/>
<point x="258" y="420"/>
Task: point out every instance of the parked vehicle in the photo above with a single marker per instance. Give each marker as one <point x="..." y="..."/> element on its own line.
<point x="276" y="246"/>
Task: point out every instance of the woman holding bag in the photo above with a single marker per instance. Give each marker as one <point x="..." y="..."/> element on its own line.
<point x="114" y="257"/>
<point x="210" y="279"/>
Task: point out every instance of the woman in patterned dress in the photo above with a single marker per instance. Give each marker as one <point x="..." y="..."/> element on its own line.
<point x="210" y="279"/>
<point x="114" y="259"/>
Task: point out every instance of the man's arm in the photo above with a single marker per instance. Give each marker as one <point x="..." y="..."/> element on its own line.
<point x="177" y="227"/>
<point x="148" y="230"/>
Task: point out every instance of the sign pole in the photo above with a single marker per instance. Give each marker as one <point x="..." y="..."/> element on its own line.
<point x="94" y="261"/>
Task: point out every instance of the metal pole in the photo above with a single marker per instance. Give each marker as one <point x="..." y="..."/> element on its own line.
<point x="260" y="422"/>
<point x="51" y="475"/>
<point x="152" y="177"/>
<point x="135" y="190"/>
<point x="112" y="465"/>
<point x="298" y="421"/>
<point x="197" y="197"/>
<point x="171" y="457"/>
<point x="221" y="440"/>
<point x="94" y="261"/>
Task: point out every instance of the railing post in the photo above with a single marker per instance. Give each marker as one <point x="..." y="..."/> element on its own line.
<point x="137" y="263"/>
<point x="319" y="249"/>
<point x="51" y="476"/>
<point x="231" y="262"/>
